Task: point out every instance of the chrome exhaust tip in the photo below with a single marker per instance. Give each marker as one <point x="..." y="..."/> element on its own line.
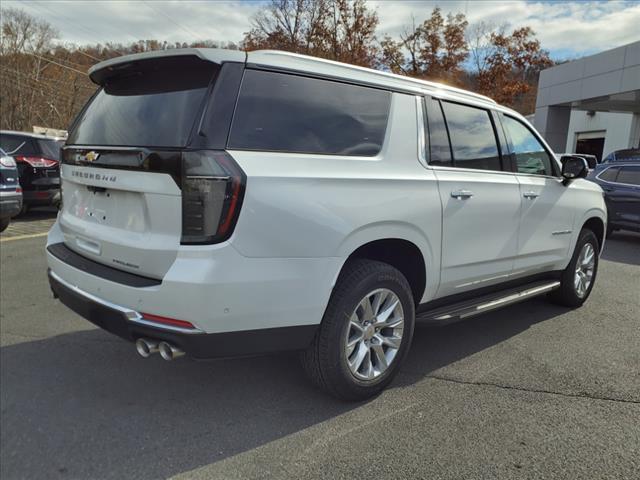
<point x="168" y="351"/>
<point x="146" y="347"/>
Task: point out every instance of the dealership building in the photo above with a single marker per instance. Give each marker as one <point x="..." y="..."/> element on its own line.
<point x="592" y="105"/>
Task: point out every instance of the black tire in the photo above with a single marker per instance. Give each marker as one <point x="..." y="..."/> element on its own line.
<point x="567" y="294"/>
<point x="24" y="210"/>
<point x="4" y="223"/>
<point x="325" y="361"/>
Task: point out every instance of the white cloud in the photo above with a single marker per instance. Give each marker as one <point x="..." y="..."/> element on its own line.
<point x="575" y="27"/>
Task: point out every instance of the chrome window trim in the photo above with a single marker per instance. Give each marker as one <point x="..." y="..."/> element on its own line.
<point x="617" y="183"/>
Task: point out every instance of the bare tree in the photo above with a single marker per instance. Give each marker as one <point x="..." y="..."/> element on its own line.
<point x="434" y="49"/>
<point x="342" y="30"/>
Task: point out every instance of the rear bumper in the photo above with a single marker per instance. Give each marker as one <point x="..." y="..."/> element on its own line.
<point x="129" y="325"/>
<point x="42" y="197"/>
<point x="240" y="305"/>
<point x="10" y="205"/>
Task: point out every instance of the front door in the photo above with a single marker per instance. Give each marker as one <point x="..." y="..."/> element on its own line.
<point x="547" y="216"/>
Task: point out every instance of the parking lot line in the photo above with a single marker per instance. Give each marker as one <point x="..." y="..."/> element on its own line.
<point x="22" y="237"/>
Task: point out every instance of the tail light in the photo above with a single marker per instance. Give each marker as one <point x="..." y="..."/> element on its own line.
<point x="212" y="190"/>
<point x="37" y="162"/>
<point x="7" y="162"/>
<point x="18" y="189"/>
<point x="168" y="321"/>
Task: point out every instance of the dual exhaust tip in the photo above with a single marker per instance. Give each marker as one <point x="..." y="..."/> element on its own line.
<point x="147" y="347"/>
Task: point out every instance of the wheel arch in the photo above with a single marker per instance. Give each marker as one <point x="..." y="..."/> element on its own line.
<point x="598" y="227"/>
<point x="400" y="245"/>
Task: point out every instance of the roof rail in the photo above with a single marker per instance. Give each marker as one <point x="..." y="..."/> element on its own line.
<point x="402" y="78"/>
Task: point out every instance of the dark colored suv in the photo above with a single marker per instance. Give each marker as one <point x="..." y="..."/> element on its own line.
<point x="620" y="182"/>
<point x="10" y="191"/>
<point x="37" y="157"/>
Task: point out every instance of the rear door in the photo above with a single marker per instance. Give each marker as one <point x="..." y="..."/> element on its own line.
<point x="121" y="172"/>
<point x="624" y="197"/>
<point x="547" y="208"/>
<point x="480" y="201"/>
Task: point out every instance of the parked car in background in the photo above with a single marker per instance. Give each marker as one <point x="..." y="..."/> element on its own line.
<point x="38" y="160"/>
<point x="627" y="155"/>
<point x="272" y="201"/>
<point x="10" y="190"/>
<point x="620" y="182"/>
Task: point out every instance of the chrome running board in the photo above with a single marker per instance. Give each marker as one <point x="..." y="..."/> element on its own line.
<point x="486" y="303"/>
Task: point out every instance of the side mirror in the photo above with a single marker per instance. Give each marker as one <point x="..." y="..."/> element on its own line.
<point x="573" y="167"/>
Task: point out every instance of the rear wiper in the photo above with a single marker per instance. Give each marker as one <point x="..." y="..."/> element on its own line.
<point x="14" y="151"/>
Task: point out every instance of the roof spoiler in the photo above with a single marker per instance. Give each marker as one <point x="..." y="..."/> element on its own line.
<point x="102" y="71"/>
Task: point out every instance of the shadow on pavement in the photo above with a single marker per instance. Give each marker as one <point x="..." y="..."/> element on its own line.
<point x="84" y="405"/>
<point x="623" y="247"/>
<point x="90" y="407"/>
<point x="36" y="213"/>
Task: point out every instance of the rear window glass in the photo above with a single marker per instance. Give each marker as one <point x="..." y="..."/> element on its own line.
<point x="473" y="141"/>
<point x="288" y="113"/>
<point x="152" y="108"/>
<point x="18" y="145"/>
<point x="50" y="148"/>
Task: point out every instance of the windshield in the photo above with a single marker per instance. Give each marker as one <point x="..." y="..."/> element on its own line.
<point x="154" y="108"/>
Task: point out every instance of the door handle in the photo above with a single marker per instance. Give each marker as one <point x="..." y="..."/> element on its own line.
<point x="530" y="195"/>
<point x="462" y="194"/>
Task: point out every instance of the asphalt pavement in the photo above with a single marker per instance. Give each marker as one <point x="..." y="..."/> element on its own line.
<point x="530" y="391"/>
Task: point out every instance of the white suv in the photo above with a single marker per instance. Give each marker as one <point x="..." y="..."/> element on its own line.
<point x="220" y="203"/>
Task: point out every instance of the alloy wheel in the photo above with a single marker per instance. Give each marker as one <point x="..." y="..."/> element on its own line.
<point x="585" y="266"/>
<point x="374" y="334"/>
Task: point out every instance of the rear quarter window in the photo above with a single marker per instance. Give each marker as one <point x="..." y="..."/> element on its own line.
<point x="288" y="113"/>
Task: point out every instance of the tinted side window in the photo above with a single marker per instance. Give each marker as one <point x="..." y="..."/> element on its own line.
<point x="531" y="157"/>
<point x="288" y="113"/>
<point x="440" y="150"/>
<point x="609" y="174"/>
<point x="629" y="175"/>
<point x="473" y="141"/>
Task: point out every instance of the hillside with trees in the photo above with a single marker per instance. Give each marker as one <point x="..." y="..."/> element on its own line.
<point x="44" y="81"/>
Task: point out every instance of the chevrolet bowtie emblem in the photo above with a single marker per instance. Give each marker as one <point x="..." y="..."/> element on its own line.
<point x="91" y="156"/>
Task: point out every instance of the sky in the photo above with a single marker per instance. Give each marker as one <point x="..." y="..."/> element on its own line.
<point x="567" y="29"/>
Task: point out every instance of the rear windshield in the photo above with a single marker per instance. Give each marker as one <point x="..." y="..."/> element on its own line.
<point x="31" y="146"/>
<point x="18" y="145"/>
<point x="152" y="108"/>
<point x="50" y="148"/>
